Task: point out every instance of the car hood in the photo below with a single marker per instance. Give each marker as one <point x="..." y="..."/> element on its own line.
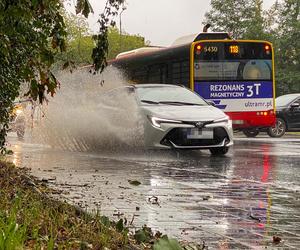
<point x="280" y="108"/>
<point x="183" y="113"/>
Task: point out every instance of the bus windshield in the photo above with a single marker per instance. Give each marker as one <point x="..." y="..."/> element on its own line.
<point x="233" y="61"/>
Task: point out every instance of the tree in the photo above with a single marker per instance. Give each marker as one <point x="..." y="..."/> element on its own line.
<point x="25" y="52"/>
<point x="31" y="33"/>
<point x="287" y="44"/>
<point x="255" y="28"/>
<point x="80" y="44"/>
<point x="125" y="42"/>
<point x="243" y="18"/>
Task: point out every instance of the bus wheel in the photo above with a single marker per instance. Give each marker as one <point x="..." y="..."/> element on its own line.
<point x="251" y="132"/>
<point x="278" y="130"/>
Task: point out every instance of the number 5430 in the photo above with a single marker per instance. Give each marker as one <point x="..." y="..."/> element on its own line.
<point x="210" y="49"/>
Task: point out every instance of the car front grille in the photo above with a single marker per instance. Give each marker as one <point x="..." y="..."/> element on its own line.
<point x="178" y="136"/>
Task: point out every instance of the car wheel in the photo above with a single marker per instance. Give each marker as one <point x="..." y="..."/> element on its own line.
<point x="278" y="130"/>
<point x="219" y="151"/>
<point x="251" y="132"/>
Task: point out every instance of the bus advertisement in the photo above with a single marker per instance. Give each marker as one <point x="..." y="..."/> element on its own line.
<point x="237" y="76"/>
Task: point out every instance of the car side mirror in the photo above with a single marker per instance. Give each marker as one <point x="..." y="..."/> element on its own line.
<point x="211" y="103"/>
<point x="295" y="105"/>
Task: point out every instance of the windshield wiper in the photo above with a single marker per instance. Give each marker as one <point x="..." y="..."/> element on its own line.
<point x="150" y="102"/>
<point x="172" y="103"/>
<point x="180" y="103"/>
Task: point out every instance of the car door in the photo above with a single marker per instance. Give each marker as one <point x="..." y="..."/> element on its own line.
<point x="294" y="116"/>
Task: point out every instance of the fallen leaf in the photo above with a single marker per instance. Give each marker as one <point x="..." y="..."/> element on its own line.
<point x="120" y="225"/>
<point x="134" y="182"/>
<point x="153" y="200"/>
<point x="206" y="198"/>
<point x="276" y="239"/>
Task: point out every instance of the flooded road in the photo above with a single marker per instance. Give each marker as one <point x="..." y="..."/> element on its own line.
<point x="235" y="202"/>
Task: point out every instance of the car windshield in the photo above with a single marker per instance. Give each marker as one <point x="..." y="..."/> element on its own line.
<point x="285" y="100"/>
<point x="169" y="95"/>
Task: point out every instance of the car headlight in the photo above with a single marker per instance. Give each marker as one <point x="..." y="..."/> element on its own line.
<point x="19" y="111"/>
<point x="156" y="122"/>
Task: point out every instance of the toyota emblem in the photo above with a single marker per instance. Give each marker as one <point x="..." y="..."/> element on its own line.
<point x="199" y="124"/>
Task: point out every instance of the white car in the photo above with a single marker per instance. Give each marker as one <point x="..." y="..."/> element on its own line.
<point x="175" y="117"/>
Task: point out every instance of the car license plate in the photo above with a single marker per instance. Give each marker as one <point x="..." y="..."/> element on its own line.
<point x="196" y="133"/>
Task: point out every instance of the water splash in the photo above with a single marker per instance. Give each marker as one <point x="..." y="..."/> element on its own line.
<point x="83" y="117"/>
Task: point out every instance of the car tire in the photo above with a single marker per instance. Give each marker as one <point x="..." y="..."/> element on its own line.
<point x="251" y="132"/>
<point x="278" y="130"/>
<point x="219" y="151"/>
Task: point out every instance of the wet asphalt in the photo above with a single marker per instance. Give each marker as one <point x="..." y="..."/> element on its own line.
<point x="248" y="199"/>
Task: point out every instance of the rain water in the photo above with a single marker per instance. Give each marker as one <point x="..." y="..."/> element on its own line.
<point x="85" y="115"/>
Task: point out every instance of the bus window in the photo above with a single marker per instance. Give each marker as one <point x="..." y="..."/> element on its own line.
<point x="139" y="75"/>
<point x="185" y="73"/>
<point x="233" y="61"/>
<point x="164" y="73"/>
<point x="153" y="74"/>
<point x="255" y="70"/>
<point x="157" y="73"/>
<point x="181" y="72"/>
<point x="176" y="72"/>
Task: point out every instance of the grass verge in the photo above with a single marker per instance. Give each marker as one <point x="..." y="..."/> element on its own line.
<point x="31" y="219"/>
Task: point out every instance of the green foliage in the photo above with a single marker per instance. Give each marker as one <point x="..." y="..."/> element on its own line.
<point x="120" y="225"/>
<point x="143" y="235"/>
<point x="12" y="235"/>
<point x="125" y="42"/>
<point x="287" y="44"/>
<point x="32" y="33"/>
<point x="99" y="54"/>
<point x="167" y="244"/>
<point x="80" y="44"/>
<point x="105" y="221"/>
<point x="242" y="18"/>
<point x="30" y="219"/>
<point x="84" y="7"/>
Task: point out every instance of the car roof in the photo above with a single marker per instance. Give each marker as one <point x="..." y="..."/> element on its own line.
<point x="153" y="85"/>
<point x="293" y="94"/>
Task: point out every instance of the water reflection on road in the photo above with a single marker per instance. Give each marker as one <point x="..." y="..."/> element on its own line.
<point x="238" y="201"/>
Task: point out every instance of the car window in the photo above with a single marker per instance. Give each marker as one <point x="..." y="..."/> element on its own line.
<point x="297" y="101"/>
<point x="169" y="94"/>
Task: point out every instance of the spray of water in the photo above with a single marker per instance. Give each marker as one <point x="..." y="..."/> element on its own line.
<point x="85" y="116"/>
